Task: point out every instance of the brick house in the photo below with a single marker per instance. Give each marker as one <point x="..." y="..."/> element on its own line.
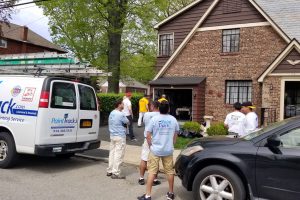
<point x="237" y="50"/>
<point x="20" y="39"/>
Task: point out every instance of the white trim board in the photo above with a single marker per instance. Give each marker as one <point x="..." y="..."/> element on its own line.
<point x="282" y="92"/>
<point x="177" y="13"/>
<point x="279" y="59"/>
<point x="248" y="25"/>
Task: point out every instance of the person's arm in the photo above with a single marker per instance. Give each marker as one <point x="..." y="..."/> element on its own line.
<point x="175" y="137"/>
<point x="130" y="109"/>
<point x="226" y="122"/>
<point x="149" y="138"/>
<point x="125" y="120"/>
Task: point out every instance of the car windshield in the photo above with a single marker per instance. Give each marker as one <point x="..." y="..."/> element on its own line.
<point x="266" y="129"/>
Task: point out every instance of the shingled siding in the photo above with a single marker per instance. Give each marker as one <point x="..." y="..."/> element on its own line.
<point x="229" y="12"/>
<point x="286" y="67"/>
<point x="202" y="57"/>
<point x="181" y="26"/>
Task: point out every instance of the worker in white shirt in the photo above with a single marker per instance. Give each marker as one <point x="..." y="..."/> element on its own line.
<point x="236" y="121"/>
<point x="251" y="117"/>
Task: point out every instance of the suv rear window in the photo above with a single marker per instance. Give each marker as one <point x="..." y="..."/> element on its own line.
<point x="87" y="98"/>
<point x="63" y="96"/>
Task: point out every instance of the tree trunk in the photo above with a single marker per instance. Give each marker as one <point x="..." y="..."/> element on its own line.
<point x="117" y="10"/>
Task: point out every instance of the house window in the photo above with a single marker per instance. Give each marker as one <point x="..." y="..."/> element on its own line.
<point x="166" y="44"/>
<point x="3" y="43"/>
<point x="231" y="40"/>
<point x="238" y="91"/>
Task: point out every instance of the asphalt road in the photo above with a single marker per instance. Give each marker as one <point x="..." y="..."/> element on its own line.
<point x="36" y="178"/>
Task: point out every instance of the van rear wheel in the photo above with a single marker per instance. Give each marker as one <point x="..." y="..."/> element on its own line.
<point x="7" y="150"/>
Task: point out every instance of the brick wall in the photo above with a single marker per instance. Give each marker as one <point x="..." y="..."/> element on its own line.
<point x="202" y="57"/>
<point x="271" y="98"/>
<point x="14" y="47"/>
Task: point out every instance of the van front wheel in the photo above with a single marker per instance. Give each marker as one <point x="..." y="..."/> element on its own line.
<point x="7" y="150"/>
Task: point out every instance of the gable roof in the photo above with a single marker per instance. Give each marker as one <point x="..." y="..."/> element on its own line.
<point x="294" y="44"/>
<point x="286" y="14"/>
<point x="206" y="14"/>
<point x="14" y="32"/>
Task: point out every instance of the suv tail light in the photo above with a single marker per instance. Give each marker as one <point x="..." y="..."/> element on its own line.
<point x="44" y="100"/>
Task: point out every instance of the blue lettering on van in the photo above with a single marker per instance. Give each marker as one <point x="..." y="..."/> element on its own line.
<point x="8" y="107"/>
<point x="63" y="121"/>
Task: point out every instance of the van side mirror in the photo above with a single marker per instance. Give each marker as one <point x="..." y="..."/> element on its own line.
<point x="274" y="141"/>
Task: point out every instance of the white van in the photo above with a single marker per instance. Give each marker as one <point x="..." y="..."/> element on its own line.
<point x="46" y="116"/>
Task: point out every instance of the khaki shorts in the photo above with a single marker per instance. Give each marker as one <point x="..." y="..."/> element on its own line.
<point x="153" y="164"/>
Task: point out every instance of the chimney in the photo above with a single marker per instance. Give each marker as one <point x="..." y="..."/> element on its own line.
<point x="24" y="33"/>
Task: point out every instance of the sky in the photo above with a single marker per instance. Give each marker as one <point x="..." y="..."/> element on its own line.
<point x="33" y="17"/>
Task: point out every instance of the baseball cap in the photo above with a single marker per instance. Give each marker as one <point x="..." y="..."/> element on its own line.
<point x="128" y="94"/>
<point x="248" y="104"/>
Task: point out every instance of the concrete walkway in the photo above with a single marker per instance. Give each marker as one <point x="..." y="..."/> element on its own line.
<point x="133" y="148"/>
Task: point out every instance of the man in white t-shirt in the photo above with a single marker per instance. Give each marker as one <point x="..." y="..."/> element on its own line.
<point x="235" y="121"/>
<point x="128" y="113"/>
<point x="251" y="117"/>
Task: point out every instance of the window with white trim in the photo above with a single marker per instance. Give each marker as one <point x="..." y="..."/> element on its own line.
<point x="3" y="43"/>
<point x="231" y="40"/>
<point x="238" y="91"/>
<point x="166" y="44"/>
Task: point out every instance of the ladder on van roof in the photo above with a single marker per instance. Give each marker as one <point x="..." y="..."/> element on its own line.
<point x="49" y="63"/>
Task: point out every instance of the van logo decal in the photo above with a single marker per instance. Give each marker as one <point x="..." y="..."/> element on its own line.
<point x="63" y="125"/>
<point x="28" y="94"/>
<point x="16" y="91"/>
<point x="9" y="107"/>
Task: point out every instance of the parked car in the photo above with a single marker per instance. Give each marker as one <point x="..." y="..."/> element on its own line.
<point x="262" y="165"/>
<point x="46" y="116"/>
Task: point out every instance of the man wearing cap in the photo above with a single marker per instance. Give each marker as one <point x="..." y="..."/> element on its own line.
<point x="128" y="113"/>
<point x="251" y="117"/>
<point x="235" y="121"/>
<point x="163" y="98"/>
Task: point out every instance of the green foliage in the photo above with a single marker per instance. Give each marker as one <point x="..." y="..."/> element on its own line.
<point x="182" y="142"/>
<point x="107" y="104"/>
<point x="217" y="129"/>
<point x="192" y="127"/>
<point x="83" y="27"/>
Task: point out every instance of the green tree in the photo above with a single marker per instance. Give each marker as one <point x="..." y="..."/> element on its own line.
<point x="115" y="35"/>
<point x="6" y="9"/>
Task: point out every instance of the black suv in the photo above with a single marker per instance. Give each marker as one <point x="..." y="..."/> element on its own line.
<point x="262" y="165"/>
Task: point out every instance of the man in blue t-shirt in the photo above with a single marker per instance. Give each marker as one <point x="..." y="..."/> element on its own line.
<point x="117" y="122"/>
<point x="145" y="148"/>
<point x="161" y="137"/>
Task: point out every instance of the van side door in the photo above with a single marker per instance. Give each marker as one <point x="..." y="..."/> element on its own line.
<point x="89" y="117"/>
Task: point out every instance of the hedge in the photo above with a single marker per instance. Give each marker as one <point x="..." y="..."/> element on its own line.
<point x="107" y="101"/>
<point x="217" y="129"/>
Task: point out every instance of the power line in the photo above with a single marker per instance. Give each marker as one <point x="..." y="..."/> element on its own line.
<point x="21" y="4"/>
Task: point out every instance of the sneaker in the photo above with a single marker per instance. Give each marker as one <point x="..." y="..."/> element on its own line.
<point x="170" y="196"/>
<point x="142" y="181"/>
<point x="133" y="139"/>
<point x="156" y="182"/>
<point x="114" y="176"/>
<point x="144" y="197"/>
<point x="108" y="174"/>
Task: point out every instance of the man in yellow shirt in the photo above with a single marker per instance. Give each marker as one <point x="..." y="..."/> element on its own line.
<point x="163" y="98"/>
<point x="143" y="108"/>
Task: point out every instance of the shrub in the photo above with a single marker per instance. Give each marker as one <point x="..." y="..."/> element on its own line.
<point x="107" y="104"/>
<point x="192" y="127"/>
<point x="217" y="129"/>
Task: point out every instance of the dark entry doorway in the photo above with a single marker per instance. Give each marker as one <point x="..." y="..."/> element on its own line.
<point x="180" y="102"/>
<point x="292" y="99"/>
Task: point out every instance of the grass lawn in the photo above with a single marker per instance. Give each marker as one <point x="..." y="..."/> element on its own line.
<point x="181" y="142"/>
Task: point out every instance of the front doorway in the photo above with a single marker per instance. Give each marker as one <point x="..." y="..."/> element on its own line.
<point x="292" y="99"/>
<point x="180" y="101"/>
